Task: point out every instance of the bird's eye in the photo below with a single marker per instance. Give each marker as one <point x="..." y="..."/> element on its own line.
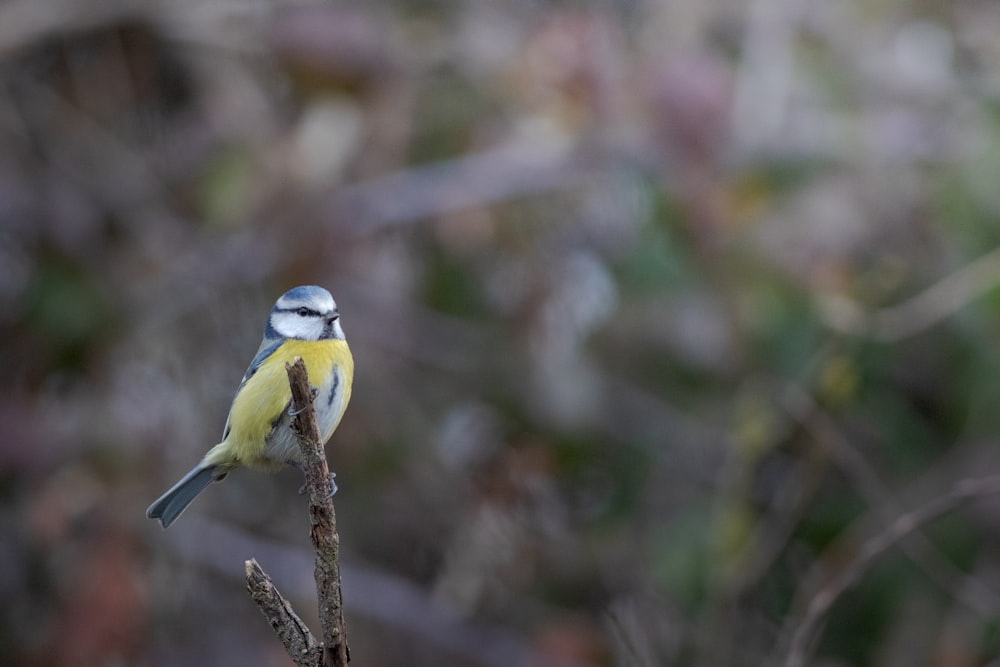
<point x="303" y="312"/>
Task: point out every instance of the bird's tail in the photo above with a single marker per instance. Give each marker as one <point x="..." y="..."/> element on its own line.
<point x="172" y="504"/>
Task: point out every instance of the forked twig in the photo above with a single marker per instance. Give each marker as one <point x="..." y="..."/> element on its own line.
<point x="299" y="642"/>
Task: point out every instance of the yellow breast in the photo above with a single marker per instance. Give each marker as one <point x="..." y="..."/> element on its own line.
<point x="265" y="396"/>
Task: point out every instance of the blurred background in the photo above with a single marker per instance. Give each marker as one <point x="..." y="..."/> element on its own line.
<point x="669" y="317"/>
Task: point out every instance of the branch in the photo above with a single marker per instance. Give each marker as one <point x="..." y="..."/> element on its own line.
<point x="293" y="633"/>
<point x="322" y="519"/>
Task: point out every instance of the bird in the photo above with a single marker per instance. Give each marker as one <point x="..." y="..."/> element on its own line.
<point x="304" y="322"/>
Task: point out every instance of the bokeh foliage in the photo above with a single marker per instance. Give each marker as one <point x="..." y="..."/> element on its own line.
<point x="662" y="312"/>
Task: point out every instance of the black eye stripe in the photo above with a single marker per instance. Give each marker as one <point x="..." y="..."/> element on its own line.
<point x="301" y="310"/>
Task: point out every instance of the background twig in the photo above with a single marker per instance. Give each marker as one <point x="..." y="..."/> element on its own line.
<point x="927" y="308"/>
<point x="905" y="524"/>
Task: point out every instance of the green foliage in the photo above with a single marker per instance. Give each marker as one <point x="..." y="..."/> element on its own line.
<point x="658" y="261"/>
<point x="65" y="315"/>
<point x="680" y="559"/>
<point x="225" y="188"/>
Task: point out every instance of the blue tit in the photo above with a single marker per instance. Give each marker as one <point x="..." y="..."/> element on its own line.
<point x="304" y="323"/>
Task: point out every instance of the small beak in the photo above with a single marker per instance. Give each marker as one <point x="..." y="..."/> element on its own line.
<point x="331" y="328"/>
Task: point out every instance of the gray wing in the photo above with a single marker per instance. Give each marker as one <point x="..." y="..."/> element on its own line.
<point x="266" y="349"/>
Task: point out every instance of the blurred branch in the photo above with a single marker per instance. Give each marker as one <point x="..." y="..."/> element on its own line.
<point x="480" y="179"/>
<point x="820" y="603"/>
<point x="916" y="546"/>
<point x="293" y="633"/>
<point x="933" y="305"/>
<point x="25" y="22"/>
<point x="325" y="540"/>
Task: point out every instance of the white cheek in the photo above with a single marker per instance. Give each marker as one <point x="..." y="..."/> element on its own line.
<point x="290" y="325"/>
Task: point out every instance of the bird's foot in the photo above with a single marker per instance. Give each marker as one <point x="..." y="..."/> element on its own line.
<point x="333" y="486"/>
<point x="295" y="413"/>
